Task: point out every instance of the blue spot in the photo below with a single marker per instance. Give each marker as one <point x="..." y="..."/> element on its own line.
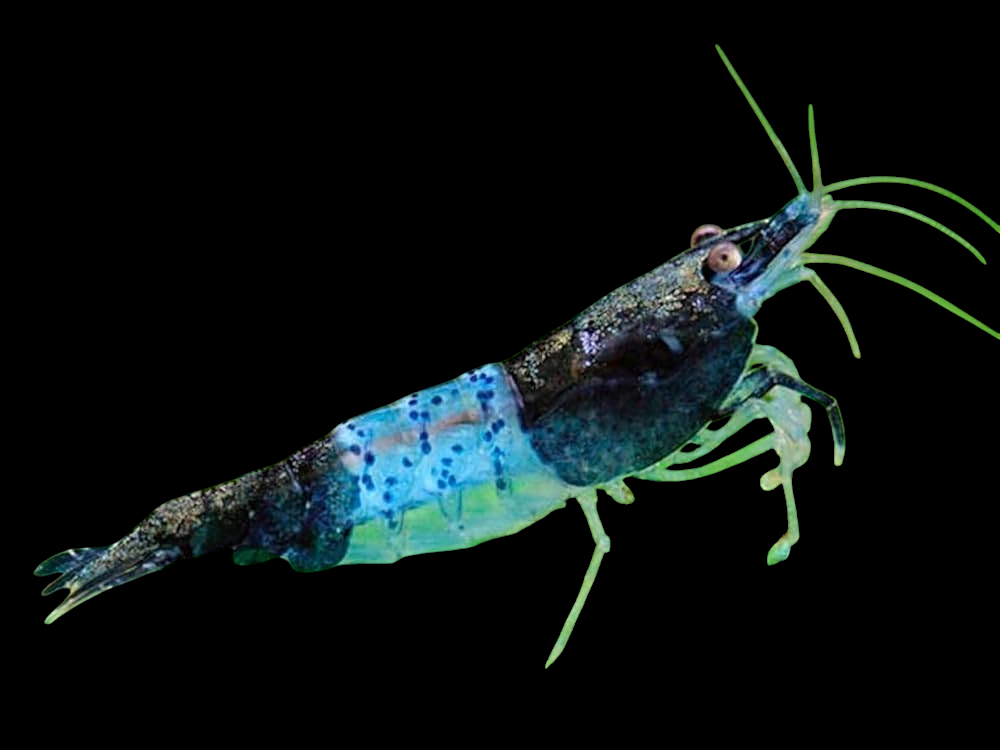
<point x="451" y="480"/>
<point x="367" y="481"/>
<point x="407" y="462"/>
<point x="447" y="461"/>
<point x="425" y="414"/>
<point x="361" y="433"/>
<point x="350" y="426"/>
<point x="390" y="481"/>
<point x="489" y="394"/>
<point x="386" y="496"/>
<point x="425" y="448"/>
<point x="487" y="436"/>
<point x="445" y="472"/>
<point x="489" y="379"/>
<point x="496" y="451"/>
<point x="436" y="400"/>
<point x="457" y="448"/>
<point x="414" y="415"/>
<point x="442" y="484"/>
<point x="473" y="377"/>
<point x="481" y="395"/>
<point x="454" y="392"/>
<point x="412" y="402"/>
<point x="369" y="458"/>
<point x="501" y="483"/>
<point x="423" y="436"/>
<point x="500" y="424"/>
<point x="356" y="450"/>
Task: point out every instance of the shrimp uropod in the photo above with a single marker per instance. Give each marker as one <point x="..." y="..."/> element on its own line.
<point x="671" y="340"/>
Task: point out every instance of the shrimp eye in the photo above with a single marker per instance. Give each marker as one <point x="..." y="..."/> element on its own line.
<point x="704" y="232"/>
<point x="724" y="257"/>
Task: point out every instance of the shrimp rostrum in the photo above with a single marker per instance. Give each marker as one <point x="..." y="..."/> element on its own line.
<point x="654" y="376"/>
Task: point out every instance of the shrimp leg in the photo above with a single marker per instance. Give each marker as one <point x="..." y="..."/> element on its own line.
<point x="773" y="391"/>
<point x="602" y="542"/>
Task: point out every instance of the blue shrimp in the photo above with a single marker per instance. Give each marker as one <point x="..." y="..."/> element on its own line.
<point x="451" y="466"/>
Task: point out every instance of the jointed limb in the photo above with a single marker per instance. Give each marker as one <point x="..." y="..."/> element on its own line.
<point x="588" y="501"/>
<point x="772" y="390"/>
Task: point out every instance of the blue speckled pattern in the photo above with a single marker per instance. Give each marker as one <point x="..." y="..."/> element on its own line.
<point x="433" y="442"/>
<point x="438" y="446"/>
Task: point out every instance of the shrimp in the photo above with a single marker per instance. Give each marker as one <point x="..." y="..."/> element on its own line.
<point x="484" y="304"/>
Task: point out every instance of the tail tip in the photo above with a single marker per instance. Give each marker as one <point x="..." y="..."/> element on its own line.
<point x="68" y="561"/>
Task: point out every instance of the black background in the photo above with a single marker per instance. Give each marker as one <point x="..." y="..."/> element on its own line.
<point x="241" y="242"/>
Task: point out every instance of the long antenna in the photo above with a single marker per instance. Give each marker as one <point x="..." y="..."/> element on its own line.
<point x="763" y="121"/>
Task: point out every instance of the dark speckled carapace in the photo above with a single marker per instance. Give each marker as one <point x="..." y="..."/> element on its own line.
<point x="634" y="376"/>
